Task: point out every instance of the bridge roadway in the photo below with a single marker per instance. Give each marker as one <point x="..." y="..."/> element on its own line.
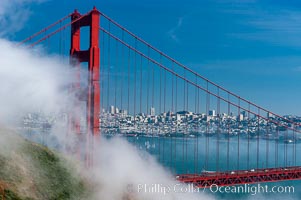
<point x="228" y="178"/>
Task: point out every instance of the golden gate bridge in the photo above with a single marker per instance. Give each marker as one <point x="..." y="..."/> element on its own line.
<point x="127" y="72"/>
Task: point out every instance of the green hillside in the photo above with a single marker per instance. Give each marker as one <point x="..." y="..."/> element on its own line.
<point x="29" y="171"/>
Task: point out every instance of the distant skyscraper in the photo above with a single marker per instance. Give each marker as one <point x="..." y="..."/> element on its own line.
<point x="212" y="113"/>
<point x="244" y="113"/>
<point x="270" y="115"/>
<point x="116" y="110"/>
<point x="152" y="111"/>
<point x="240" y="117"/>
<point x="112" y="110"/>
<point x="123" y="112"/>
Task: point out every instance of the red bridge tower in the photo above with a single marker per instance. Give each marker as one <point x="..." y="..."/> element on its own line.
<point x="92" y="57"/>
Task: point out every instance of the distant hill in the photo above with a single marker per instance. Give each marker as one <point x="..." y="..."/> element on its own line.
<point x="29" y="171"/>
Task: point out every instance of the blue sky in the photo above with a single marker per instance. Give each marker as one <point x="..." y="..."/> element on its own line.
<point x="250" y="47"/>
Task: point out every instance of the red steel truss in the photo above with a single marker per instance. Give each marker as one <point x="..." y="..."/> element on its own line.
<point x="206" y="179"/>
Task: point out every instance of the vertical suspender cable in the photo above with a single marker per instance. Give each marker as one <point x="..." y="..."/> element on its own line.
<point x="258" y="130"/>
<point x="176" y="110"/>
<point x="129" y="81"/>
<point x="115" y="85"/>
<point x="294" y="149"/>
<point x="141" y="63"/>
<point x="276" y="146"/>
<point x="153" y="88"/>
<point x="165" y="115"/>
<point x="160" y="111"/>
<point x="153" y="101"/>
<point x="160" y="89"/>
<point x="122" y="73"/>
<point x="187" y="123"/>
<point x="285" y="145"/>
<point x="164" y="107"/>
<point x="147" y="91"/>
<point x="140" y="109"/>
<point x="198" y="126"/>
<point x="135" y="84"/>
<point x="109" y="66"/>
<point x="238" y="136"/>
<point x="218" y="129"/>
<point x="194" y="129"/>
<point x="248" y="132"/>
<point x="229" y="126"/>
<point x="267" y="143"/>
<point x="207" y="127"/>
<point x="182" y="128"/>
<point x="171" y="120"/>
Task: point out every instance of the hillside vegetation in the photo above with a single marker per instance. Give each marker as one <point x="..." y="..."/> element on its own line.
<point x="29" y="171"/>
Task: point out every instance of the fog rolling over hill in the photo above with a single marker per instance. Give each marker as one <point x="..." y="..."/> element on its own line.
<point x="37" y="83"/>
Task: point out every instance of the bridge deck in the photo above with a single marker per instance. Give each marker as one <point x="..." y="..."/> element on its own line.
<point x="227" y="178"/>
